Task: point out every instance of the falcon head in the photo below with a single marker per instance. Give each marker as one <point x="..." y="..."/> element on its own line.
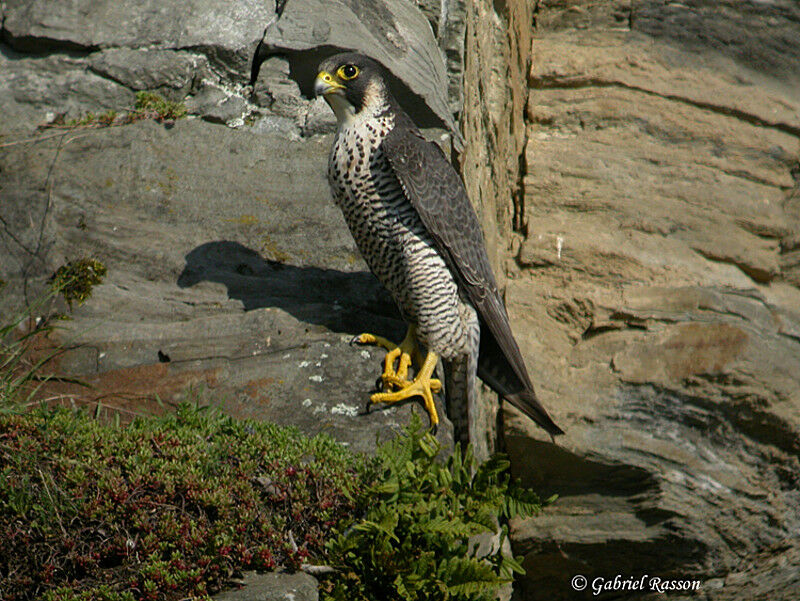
<point x="352" y="84"/>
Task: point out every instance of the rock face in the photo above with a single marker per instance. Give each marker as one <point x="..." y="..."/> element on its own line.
<point x="655" y="281"/>
<point x="497" y="60"/>
<point x="216" y="289"/>
<point x="223" y="31"/>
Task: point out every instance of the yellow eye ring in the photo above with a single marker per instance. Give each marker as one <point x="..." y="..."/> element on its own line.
<point x="347" y="72"/>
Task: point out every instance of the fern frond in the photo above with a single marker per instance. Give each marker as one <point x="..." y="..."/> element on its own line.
<point x="468" y="577"/>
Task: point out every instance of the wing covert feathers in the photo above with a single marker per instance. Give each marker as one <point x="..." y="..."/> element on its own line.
<point x="436" y="191"/>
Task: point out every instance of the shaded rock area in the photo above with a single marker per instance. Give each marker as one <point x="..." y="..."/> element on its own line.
<point x="654" y="283"/>
<point x="232" y="278"/>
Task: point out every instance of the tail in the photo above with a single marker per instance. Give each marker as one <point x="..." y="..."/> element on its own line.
<point x="460" y="395"/>
<point x="499" y="374"/>
<point x="527" y="402"/>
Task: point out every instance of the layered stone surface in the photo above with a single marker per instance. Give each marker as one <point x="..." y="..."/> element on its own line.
<point x="654" y="280"/>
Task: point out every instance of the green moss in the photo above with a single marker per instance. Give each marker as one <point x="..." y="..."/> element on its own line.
<point x="100" y="120"/>
<point x="152" y="106"/>
<point x="148" y="105"/>
<point x="75" y="280"/>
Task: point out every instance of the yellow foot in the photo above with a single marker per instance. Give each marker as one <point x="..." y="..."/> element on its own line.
<point x="394" y="379"/>
<point x="423" y="385"/>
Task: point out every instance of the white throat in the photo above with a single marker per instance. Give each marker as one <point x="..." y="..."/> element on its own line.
<point x="344" y="111"/>
<point x="375" y="103"/>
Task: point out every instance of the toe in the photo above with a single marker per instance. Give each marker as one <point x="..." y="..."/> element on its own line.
<point x="362" y="339"/>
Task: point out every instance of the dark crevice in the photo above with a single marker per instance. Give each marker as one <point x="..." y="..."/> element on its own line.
<point x="43" y="46"/>
<point x="303" y="70"/>
<point x="546" y="83"/>
<point x="8" y="50"/>
<point x="111" y="78"/>
<point x="794" y="193"/>
<point x="550" y="469"/>
<point x="741" y="174"/>
<point x="760" y="276"/>
<point x="795" y="173"/>
<point x="518" y="223"/>
<point x="594" y="331"/>
<point x="790" y="336"/>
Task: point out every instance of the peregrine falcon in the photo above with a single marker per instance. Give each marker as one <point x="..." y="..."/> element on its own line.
<point x="408" y="211"/>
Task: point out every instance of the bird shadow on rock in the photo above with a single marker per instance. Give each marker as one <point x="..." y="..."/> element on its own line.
<point x="340" y="301"/>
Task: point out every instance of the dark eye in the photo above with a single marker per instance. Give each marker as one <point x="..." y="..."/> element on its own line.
<point x="348" y="71"/>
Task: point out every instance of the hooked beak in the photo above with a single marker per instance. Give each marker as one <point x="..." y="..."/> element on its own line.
<point x="326" y="84"/>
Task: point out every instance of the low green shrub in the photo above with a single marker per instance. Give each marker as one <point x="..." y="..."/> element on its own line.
<point x="162" y="508"/>
<point x="172" y="507"/>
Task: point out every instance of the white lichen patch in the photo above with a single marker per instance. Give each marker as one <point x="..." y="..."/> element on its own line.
<point x="306" y="402"/>
<point x="365" y="354"/>
<point x="320" y="409"/>
<point x="316" y="378"/>
<point x="304" y="364"/>
<point x="238" y="91"/>
<point x="342" y="409"/>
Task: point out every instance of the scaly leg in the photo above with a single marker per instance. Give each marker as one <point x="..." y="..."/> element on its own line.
<point x="403" y="353"/>
<point x="423" y="385"/>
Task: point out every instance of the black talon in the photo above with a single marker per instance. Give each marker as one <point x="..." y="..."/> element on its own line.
<point x="355" y="341"/>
